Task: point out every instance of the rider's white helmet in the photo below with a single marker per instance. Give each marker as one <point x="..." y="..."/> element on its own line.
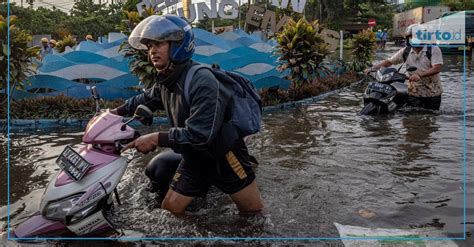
<point x="409" y="30"/>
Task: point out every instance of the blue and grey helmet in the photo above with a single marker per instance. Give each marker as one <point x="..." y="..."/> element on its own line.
<point x="165" y="28"/>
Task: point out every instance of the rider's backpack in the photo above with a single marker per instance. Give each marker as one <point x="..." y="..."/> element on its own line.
<point x="407" y="50"/>
<point x="246" y="102"/>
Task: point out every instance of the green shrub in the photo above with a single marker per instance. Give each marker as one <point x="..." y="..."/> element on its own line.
<point x="67" y="41"/>
<point x="307" y="90"/>
<point x="326" y="84"/>
<point x="274" y="96"/>
<point x="302" y="50"/>
<point x="363" y="47"/>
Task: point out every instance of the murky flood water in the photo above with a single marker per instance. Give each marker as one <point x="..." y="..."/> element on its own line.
<point x="319" y="164"/>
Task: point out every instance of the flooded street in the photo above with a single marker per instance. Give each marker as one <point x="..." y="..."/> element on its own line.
<point x="319" y="164"/>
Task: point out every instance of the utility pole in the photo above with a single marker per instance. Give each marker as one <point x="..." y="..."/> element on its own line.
<point x="240" y="16"/>
<point x="186" y="4"/>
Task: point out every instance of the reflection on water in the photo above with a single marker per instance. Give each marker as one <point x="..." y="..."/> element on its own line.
<point x="319" y="164"/>
<point x="416" y="145"/>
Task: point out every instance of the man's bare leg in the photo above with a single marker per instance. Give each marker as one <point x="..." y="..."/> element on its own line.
<point x="175" y="202"/>
<point x="248" y="199"/>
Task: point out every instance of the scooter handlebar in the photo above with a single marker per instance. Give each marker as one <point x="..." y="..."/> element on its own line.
<point x="122" y="143"/>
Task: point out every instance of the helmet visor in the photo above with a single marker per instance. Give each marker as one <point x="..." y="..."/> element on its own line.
<point x="156" y="28"/>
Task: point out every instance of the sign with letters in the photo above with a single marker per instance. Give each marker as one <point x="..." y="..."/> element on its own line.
<point x="226" y="9"/>
<point x="256" y="16"/>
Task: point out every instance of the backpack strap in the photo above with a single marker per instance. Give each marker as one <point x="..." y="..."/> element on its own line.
<point x="406" y="52"/>
<point x="189" y="77"/>
<point x="428" y="52"/>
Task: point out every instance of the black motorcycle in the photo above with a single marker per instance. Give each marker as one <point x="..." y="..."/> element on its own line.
<point x="387" y="93"/>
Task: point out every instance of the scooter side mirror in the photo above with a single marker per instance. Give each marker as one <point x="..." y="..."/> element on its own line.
<point x="144" y="114"/>
<point x="412" y="68"/>
<point x="94" y="93"/>
<point x="96" y="97"/>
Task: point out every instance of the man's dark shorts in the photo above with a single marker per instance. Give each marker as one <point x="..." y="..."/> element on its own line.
<point x="198" y="170"/>
<point x="432" y="103"/>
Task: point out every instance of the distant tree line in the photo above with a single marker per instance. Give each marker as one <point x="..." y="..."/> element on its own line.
<point x="86" y="17"/>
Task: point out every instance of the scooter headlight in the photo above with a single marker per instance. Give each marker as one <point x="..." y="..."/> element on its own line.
<point x="387" y="100"/>
<point x="83" y="213"/>
<point x="383" y="77"/>
<point x="57" y="210"/>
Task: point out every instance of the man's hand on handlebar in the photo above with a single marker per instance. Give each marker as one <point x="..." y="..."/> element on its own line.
<point x="414" y="77"/>
<point x="367" y="71"/>
<point x="144" y="144"/>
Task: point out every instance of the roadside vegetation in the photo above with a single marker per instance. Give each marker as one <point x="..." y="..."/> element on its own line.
<point x="57" y="107"/>
<point x="301" y="49"/>
<point x="19" y="53"/>
<point x="363" y="47"/>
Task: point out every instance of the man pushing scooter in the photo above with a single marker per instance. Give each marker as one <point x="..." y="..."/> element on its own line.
<point x="206" y="148"/>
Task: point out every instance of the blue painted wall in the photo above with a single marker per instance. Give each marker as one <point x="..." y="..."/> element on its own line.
<point x="102" y="62"/>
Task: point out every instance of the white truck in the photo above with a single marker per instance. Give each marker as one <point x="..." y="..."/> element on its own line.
<point x="415" y="16"/>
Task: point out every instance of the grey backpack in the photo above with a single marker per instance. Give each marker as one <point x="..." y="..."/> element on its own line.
<point x="246" y="102"/>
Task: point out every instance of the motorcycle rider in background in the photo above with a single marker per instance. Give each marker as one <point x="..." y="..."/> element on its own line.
<point x="424" y="84"/>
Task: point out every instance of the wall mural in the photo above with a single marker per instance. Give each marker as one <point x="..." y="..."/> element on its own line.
<point x="92" y="63"/>
<point x="99" y="63"/>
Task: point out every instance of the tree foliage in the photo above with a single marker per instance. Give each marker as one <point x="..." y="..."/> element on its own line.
<point x="130" y="5"/>
<point x="95" y="19"/>
<point x="36" y="21"/>
<point x="459" y="5"/>
<point x="86" y="17"/>
<point x="333" y="14"/>
<point x="20" y="53"/>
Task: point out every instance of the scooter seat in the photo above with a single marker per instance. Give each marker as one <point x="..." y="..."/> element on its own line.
<point x="402" y="89"/>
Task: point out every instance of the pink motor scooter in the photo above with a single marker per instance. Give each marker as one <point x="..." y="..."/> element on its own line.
<point x="75" y="202"/>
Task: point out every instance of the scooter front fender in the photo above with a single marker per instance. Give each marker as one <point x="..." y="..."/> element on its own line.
<point x="38" y="226"/>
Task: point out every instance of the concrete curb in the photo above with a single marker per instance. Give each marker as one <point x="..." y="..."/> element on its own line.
<point x="307" y="101"/>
